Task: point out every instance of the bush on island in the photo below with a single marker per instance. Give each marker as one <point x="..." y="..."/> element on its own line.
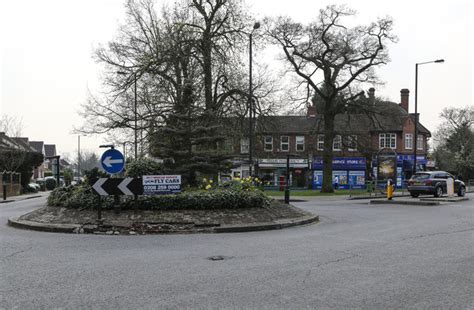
<point x="82" y="196"/>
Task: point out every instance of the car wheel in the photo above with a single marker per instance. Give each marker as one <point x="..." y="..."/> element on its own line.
<point x="461" y="191"/>
<point x="438" y="191"/>
<point x="414" y="195"/>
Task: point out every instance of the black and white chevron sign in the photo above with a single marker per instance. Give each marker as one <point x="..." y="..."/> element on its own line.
<point x="117" y="186"/>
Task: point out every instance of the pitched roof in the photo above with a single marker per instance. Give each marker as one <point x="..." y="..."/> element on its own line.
<point x="37" y="145"/>
<point x="24" y="144"/>
<point x="50" y="150"/>
<point x="384" y="116"/>
<point x="6" y="143"/>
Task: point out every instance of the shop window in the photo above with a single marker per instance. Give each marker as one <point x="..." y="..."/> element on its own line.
<point x="337" y="143"/>
<point x="244" y="145"/>
<point x="387" y="140"/>
<point x="352" y="143"/>
<point x="284" y="143"/>
<point x="320" y="146"/>
<point x="408" y="141"/>
<point x="419" y="143"/>
<point x="268" y="143"/>
<point x="299" y="143"/>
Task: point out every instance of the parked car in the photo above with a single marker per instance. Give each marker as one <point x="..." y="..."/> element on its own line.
<point x="433" y="182"/>
<point x="34" y="185"/>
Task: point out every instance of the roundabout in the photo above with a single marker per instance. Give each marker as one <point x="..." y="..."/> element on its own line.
<point x="276" y="215"/>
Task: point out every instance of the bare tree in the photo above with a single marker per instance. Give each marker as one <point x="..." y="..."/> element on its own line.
<point x="12" y="126"/>
<point x="332" y="61"/>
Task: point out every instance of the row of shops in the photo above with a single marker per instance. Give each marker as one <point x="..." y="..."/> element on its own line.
<point x="348" y="172"/>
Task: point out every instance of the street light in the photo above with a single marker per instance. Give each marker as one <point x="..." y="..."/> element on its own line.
<point x="125" y="149"/>
<point x="134" y="108"/>
<point x="415" y="138"/>
<point x="79" y="156"/>
<point x="255" y="26"/>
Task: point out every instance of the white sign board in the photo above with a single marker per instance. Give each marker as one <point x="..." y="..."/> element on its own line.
<point x="161" y="184"/>
<point x="450" y="187"/>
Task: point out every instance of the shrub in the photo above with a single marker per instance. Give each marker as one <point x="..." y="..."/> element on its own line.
<point x="77" y="197"/>
<point x="82" y="196"/>
<point x="50" y="183"/>
<point x="200" y="200"/>
<point x="247" y="184"/>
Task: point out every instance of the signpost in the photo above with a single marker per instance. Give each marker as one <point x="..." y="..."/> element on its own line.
<point x="148" y="185"/>
<point x="112" y="161"/>
<point x="117" y="186"/>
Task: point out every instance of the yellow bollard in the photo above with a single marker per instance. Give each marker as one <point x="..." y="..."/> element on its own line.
<point x="389" y="189"/>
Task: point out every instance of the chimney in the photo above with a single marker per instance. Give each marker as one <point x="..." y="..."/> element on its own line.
<point x="404" y="95"/>
<point x="372" y="96"/>
<point x="311" y="111"/>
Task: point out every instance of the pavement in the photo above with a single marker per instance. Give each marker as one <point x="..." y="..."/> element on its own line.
<point x="25" y="197"/>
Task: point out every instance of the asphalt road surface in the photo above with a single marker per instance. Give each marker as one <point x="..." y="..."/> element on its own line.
<point x="359" y="256"/>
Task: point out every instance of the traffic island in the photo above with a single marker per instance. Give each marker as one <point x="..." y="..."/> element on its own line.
<point x="404" y="202"/>
<point x="445" y="199"/>
<point x="276" y="215"/>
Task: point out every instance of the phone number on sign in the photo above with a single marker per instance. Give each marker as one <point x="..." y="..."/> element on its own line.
<point x="161" y="187"/>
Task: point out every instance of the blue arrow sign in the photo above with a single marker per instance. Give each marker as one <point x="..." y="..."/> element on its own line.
<point x="112" y="161"/>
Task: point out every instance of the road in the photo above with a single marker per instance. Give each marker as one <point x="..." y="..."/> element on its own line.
<point x="359" y="256"/>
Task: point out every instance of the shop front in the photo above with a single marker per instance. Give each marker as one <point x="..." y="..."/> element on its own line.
<point x="347" y="172"/>
<point x="272" y="171"/>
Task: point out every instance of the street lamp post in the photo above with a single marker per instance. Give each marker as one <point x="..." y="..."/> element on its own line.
<point x="78" y="157"/>
<point x="415" y="138"/>
<point x="134" y="109"/>
<point x="250" y="99"/>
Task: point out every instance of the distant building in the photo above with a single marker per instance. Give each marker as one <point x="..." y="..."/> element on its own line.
<point x="357" y="141"/>
<point x="39" y="147"/>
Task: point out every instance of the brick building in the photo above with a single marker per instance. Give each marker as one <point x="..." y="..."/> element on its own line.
<point x="358" y="139"/>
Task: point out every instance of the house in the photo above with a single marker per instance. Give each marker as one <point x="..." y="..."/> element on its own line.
<point x="49" y="151"/>
<point x="39" y="147"/>
<point x="359" y="137"/>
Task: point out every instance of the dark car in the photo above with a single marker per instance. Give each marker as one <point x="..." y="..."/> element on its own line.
<point x="433" y="182"/>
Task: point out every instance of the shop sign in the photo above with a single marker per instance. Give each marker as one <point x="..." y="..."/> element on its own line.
<point x="342" y="163"/>
<point x="281" y="163"/>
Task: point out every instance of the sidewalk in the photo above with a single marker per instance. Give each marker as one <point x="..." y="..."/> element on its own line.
<point x="24" y="197"/>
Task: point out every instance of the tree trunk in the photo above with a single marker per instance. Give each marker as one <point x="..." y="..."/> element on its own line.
<point x="327" y="153"/>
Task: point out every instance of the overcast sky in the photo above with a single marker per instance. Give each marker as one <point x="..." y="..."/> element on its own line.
<point x="47" y="67"/>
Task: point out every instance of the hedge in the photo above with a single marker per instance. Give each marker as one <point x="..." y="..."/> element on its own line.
<point x="82" y="196"/>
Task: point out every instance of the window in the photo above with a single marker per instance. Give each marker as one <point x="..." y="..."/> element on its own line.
<point x="320" y="145"/>
<point x="268" y="143"/>
<point x="408" y="141"/>
<point x="419" y="142"/>
<point x="299" y="143"/>
<point x="388" y="140"/>
<point x="337" y="143"/>
<point x="352" y="143"/>
<point x="244" y="145"/>
<point x="284" y="143"/>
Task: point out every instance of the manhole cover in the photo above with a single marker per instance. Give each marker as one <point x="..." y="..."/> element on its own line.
<point x="217" y="257"/>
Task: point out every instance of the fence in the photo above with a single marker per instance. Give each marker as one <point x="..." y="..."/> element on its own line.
<point x="12" y="180"/>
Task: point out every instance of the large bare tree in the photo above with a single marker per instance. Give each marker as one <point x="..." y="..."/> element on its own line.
<point x="333" y="61"/>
